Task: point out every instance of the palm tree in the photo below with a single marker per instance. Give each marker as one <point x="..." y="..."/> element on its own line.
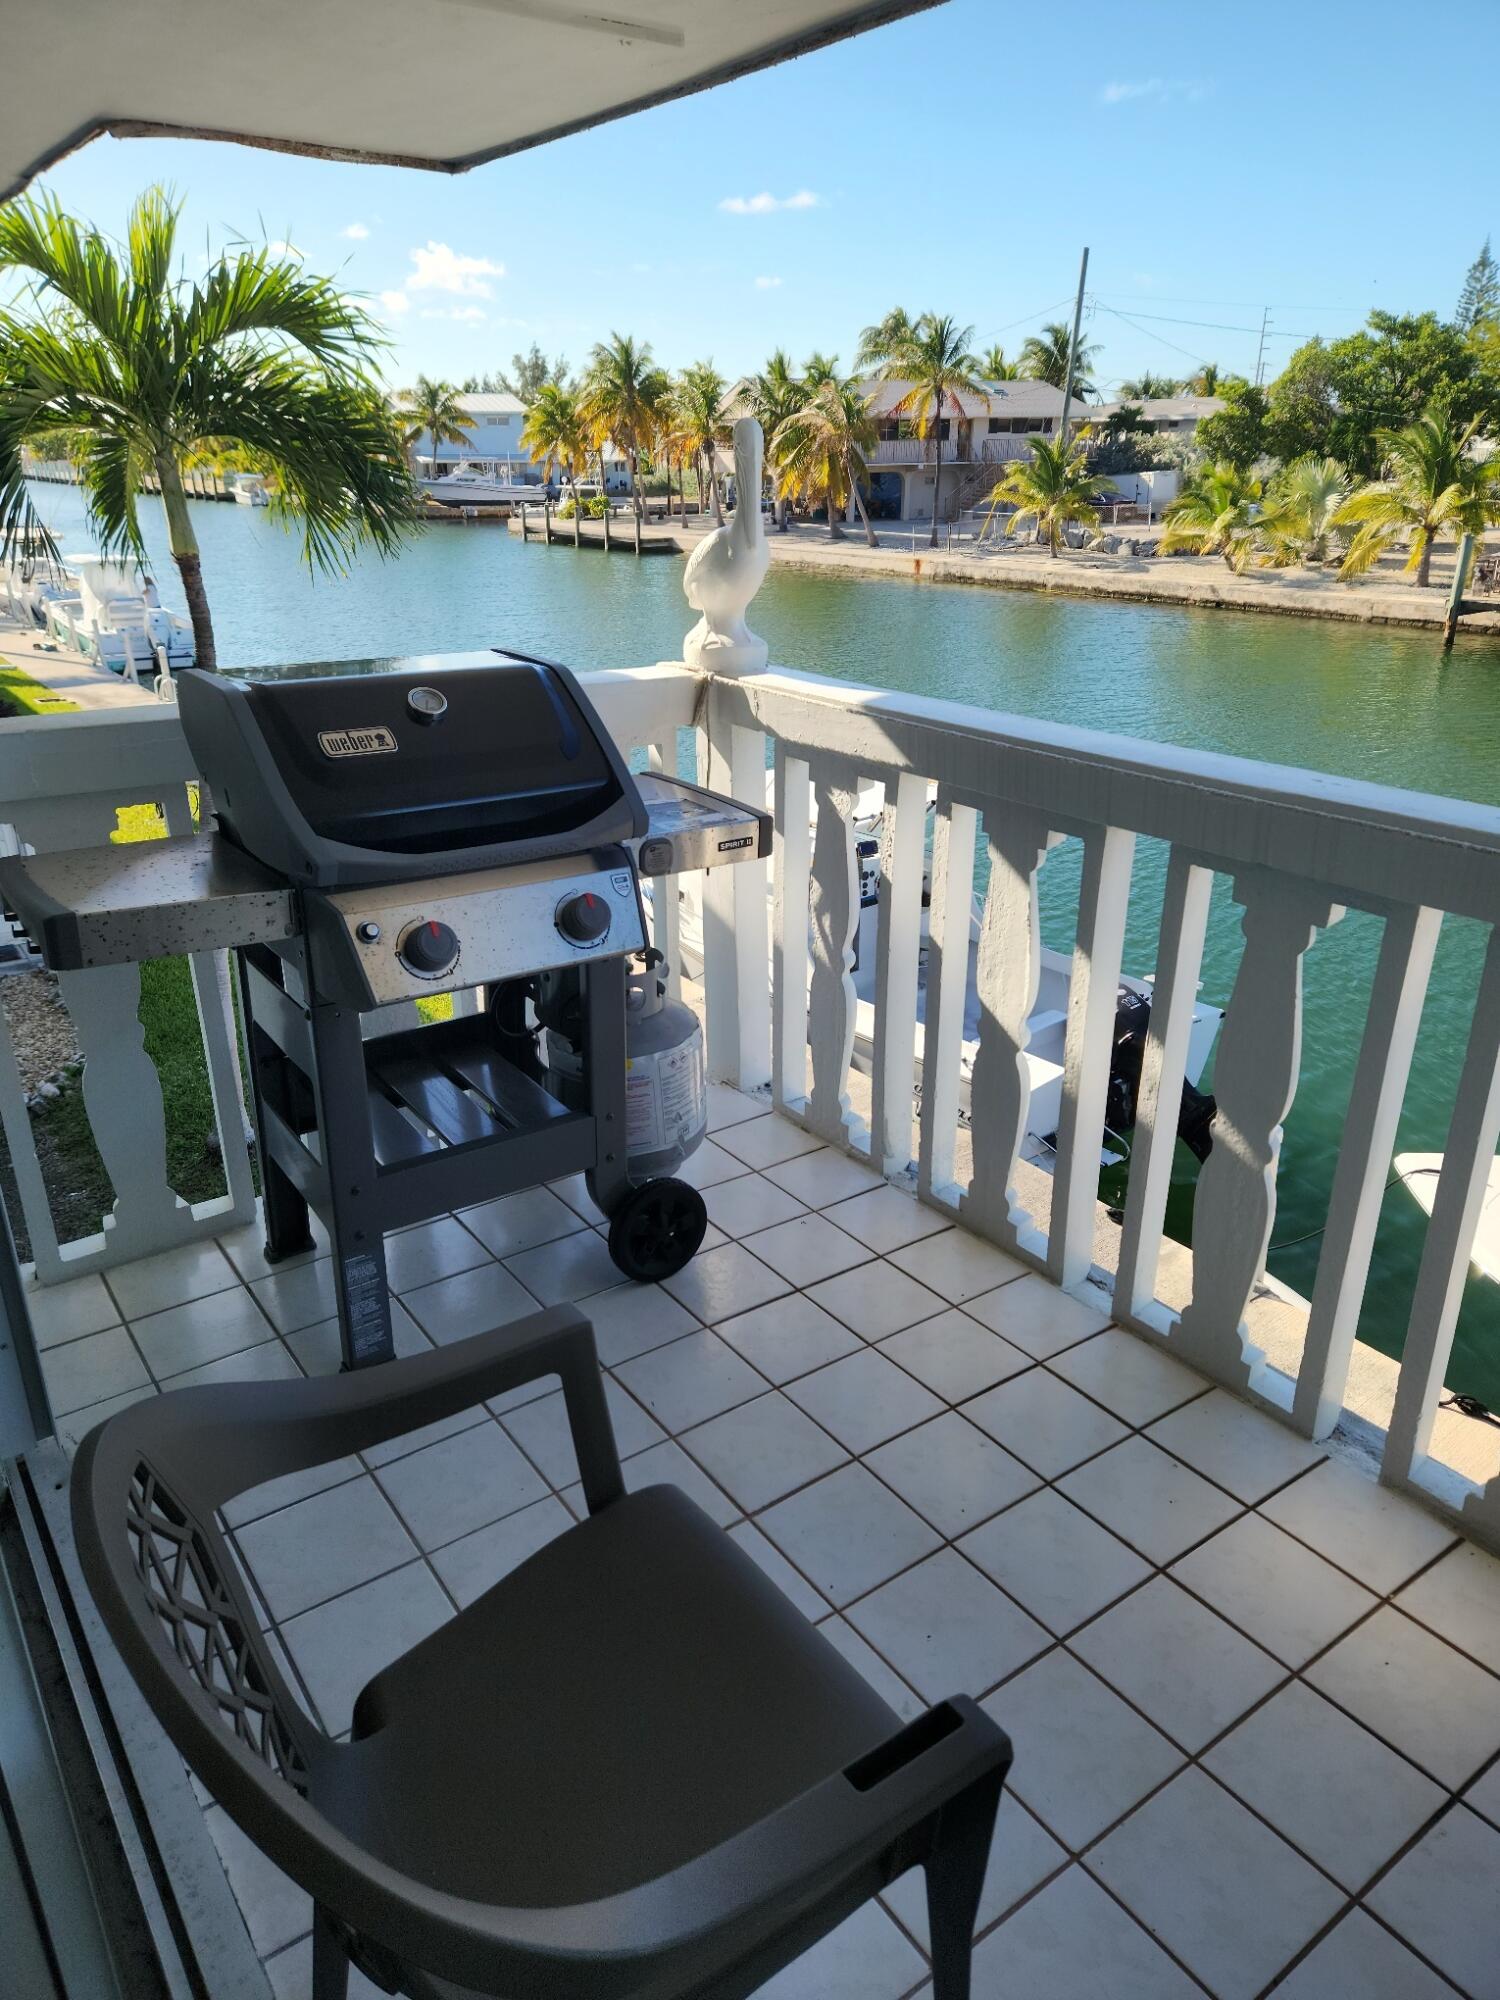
<point x="1208" y="380"/>
<point x="434" y="410"/>
<point x="879" y="342"/>
<point x="140" y="368"/>
<point x="822" y="450"/>
<point x="623" y="397"/>
<point x="994" y="366"/>
<point x="772" y="396"/>
<point x="1053" y="488"/>
<point x="819" y="368"/>
<point x="1302" y="500"/>
<point x="934" y="360"/>
<point x="1432" y="486"/>
<point x="1142" y="388"/>
<point x="696" y="427"/>
<point x="1044" y="358"/>
<point x="1216" y="514"/>
<point x="555" y="432"/>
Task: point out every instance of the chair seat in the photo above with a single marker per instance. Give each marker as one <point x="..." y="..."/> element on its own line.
<point x="634" y="1693"/>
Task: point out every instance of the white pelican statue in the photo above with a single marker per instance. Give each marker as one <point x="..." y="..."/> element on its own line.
<point x="727" y="568"/>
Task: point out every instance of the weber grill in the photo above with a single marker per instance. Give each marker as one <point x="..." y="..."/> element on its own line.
<point x="384" y="839"/>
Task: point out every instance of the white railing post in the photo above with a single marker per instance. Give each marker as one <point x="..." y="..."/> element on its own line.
<point x="953" y="845"/>
<point x="1103" y="904"/>
<point x="736" y="950"/>
<point x="789" y="966"/>
<point x="1255" y="1077"/>
<point x="1473" y="1133"/>
<point x="897" y="949"/>
<point x="1184" y="919"/>
<point x="834" y="912"/>
<point x="1008" y="973"/>
<point x="1360" y="1179"/>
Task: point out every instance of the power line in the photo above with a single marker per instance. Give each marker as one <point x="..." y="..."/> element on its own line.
<point x="1027" y="318"/>
<point x="1150" y="334"/>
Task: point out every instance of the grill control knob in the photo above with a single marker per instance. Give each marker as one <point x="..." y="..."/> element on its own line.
<point x="428" y="949"/>
<point x="583" y="919"/>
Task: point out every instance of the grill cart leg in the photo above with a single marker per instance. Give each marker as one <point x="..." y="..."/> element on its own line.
<point x="285" y="1211"/>
<point x="604" y="1068"/>
<point x="359" y="1274"/>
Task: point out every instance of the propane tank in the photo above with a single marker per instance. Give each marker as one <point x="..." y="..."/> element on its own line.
<point x="666" y="1076"/>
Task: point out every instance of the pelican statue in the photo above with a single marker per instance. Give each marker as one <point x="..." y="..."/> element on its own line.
<point x="727" y="568"/>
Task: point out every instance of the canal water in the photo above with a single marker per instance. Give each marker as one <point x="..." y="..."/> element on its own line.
<point x="1359" y="701"/>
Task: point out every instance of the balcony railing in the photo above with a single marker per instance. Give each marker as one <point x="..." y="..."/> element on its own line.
<point x="1008" y="798"/>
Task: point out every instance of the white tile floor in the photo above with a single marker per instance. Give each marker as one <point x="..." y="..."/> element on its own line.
<point x="1255" y="1699"/>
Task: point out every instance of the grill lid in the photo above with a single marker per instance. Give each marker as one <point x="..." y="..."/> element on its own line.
<point x="338" y="780"/>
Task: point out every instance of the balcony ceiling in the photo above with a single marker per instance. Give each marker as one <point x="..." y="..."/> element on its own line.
<point x="445" y="84"/>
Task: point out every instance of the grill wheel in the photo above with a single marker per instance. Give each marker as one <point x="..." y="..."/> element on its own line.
<point x="657" y="1229"/>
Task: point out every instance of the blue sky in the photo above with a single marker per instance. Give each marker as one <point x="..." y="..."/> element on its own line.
<point x="1318" y="158"/>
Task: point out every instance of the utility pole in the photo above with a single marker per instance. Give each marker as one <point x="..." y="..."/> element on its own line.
<point x="1260" y="352"/>
<point x="1083" y="271"/>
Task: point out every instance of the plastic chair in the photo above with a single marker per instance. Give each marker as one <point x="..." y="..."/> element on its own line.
<point x="630" y="1771"/>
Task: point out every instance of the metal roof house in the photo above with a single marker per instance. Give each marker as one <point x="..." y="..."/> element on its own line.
<point x="1225" y="1574"/>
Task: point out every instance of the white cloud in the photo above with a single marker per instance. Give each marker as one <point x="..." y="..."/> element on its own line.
<point x="454" y="312"/>
<point x="768" y="204"/>
<point x="767" y="284"/>
<point x="1160" y="88"/>
<point x="356" y="232"/>
<point x="440" y="269"/>
<point x="283" y="249"/>
<point x="395" y="302"/>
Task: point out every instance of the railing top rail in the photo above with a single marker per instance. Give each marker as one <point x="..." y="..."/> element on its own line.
<point x="1371" y="842"/>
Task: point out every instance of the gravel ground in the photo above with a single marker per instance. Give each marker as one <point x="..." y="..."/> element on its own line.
<point x="40" y="1027"/>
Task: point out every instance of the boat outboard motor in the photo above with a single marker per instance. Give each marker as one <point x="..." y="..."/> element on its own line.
<point x="666" y="1076"/>
<point x="1196" y="1112"/>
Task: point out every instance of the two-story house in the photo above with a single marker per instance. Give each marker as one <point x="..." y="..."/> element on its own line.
<point x="979" y="437"/>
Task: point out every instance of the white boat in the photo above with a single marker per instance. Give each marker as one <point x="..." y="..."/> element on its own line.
<point x="1047" y="1023"/>
<point x="474" y="483"/>
<point x="249" y="489"/>
<point x="1419" y="1174"/>
<point x="103" y="611"/>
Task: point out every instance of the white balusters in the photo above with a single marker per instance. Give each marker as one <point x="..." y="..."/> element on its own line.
<point x="737" y="1001"/>
<point x="1359" y="1183"/>
<point x="1103" y="904"/>
<point x="897" y="946"/>
<point x="1473" y="1133"/>
<point x="834" y="914"/>
<point x="1184" y="919"/>
<point x="792" y="875"/>
<point x="1254" y="1079"/>
<point x="953" y="842"/>
<point x="1008" y="973"/>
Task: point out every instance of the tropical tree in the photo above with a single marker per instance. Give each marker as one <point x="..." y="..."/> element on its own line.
<point x="623" y="397"/>
<point x="695" y="426"/>
<point x="1432" y="487"/>
<point x="1044" y="358"/>
<point x="1207" y="382"/>
<point x="1236" y="435"/>
<point x="434" y="410"/>
<point x="1216" y="514"/>
<point x="1301" y="502"/>
<point x="526" y="375"/>
<point x="819" y="368"/>
<point x="995" y="367"/>
<point x="1480" y="298"/>
<point x="1141" y="388"/>
<point x="771" y="397"/>
<point x="139" y="367"/>
<point x="879" y="342"/>
<point x="934" y="362"/>
<point x="823" y="447"/>
<point x="554" y="431"/>
<point x="1051" y="489"/>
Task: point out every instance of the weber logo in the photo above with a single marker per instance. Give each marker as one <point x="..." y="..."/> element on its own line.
<point x="355" y="742"/>
<point x="745" y="840"/>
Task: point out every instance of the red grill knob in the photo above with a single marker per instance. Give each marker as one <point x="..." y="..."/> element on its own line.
<point x="583" y="919"/>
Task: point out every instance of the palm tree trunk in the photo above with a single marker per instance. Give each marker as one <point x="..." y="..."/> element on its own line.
<point x="1424" y="565"/>
<point x="937" y="475"/>
<point x="859" y="501"/>
<point x="183" y="544"/>
<point x="714" y="488"/>
<point x="577" y="507"/>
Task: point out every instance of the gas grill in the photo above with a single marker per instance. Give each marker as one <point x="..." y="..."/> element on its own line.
<point x="385" y="839"/>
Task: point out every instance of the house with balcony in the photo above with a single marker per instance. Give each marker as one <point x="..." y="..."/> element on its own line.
<point x="959" y="1451"/>
<point x="979" y="438"/>
<point x="492" y="442"/>
<point x="1164" y="416"/>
